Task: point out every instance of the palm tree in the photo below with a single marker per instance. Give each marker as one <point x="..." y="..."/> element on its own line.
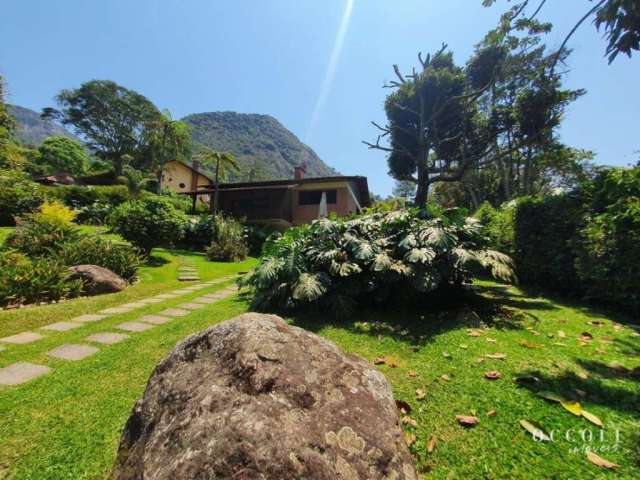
<point x="135" y="181"/>
<point x="169" y="140"/>
<point x="222" y="162"/>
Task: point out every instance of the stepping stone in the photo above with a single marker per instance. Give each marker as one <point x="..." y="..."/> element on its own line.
<point x="174" y="312"/>
<point x="116" y="310"/>
<point x="108" y="338"/>
<point x="61" y="326"/>
<point x="191" y="306"/>
<point x="188" y="279"/>
<point x="134" y="326"/>
<point x="72" y="352"/>
<point x="155" y="319"/>
<point x="133" y="305"/>
<point x="205" y="301"/>
<point x="21" y="372"/>
<point x="167" y="296"/>
<point x="88" y="318"/>
<point x="22" y="338"/>
<point x="151" y="300"/>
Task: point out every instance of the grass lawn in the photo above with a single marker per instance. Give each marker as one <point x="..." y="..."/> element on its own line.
<point x="67" y="424"/>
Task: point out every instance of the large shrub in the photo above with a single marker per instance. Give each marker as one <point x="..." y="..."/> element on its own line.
<point x="18" y="196"/>
<point x="43" y="233"/>
<point x="149" y="222"/>
<point x="120" y="258"/>
<point x="499" y="225"/>
<point x="25" y="280"/>
<point x="229" y="243"/>
<point x="62" y="154"/>
<point x="396" y="256"/>
<point x="608" y="246"/>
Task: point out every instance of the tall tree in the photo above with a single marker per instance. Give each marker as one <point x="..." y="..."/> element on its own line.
<point x="111" y="118"/>
<point x="168" y="139"/>
<point x="62" y="154"/>
<point x="221" y="162"/>
<point x="7" y="125"/>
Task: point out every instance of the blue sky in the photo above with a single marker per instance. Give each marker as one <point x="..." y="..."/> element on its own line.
<point x="272" y="57"/>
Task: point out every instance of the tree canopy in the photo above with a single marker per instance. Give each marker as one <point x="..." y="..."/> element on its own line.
<point x="62" y="154"/>
<point x="112" y="119"/>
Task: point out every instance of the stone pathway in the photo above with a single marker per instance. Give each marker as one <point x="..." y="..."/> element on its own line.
<point x="21" y="372"/>
<point x="187" y="271"/>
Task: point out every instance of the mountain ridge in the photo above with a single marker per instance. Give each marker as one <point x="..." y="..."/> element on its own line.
<point x="33" y="130"/>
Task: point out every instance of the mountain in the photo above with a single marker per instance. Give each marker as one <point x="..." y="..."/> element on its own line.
<point x="32" y="130"/>
<point x="264" y="148"/>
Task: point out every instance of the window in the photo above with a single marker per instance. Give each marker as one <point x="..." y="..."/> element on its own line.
<point x="182" y="185"/>
<point x="312" y="197"/>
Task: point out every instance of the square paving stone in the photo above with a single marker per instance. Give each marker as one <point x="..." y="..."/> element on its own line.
<point x="151" y="300"/>
<point x="174" y="312"/>
<point x="155" y="319"/>
<point x="21" y="372"/>
<point x="88" y="318"/>
<point x="116" y="310"/>
<point x="61" y="326"/>
<point x="134" y="326"/>
<point x="21" y="338"/>
<point x="167" y="296"/>
<point x="133" y="305"/>
<point x="204" y="300"/>
<point x="72" y="352"/>
<point x="108" y="338"/>
<point x="191" y="306"/>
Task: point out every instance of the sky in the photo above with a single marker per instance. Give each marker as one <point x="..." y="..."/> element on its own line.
<point x="318" y="66"/>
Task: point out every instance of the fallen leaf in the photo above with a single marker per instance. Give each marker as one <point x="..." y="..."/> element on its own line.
<point x="496" y="356"/>
<point x="463" y="346"/>
<point x="600" y="351"/>
<point x="537" y="433"/>
<point x="561" y="334"/>
<point x="599" y="461"/>
<point x="592" y="418"/>
<point x="479" y="360"/>
<point x="553" y="397"/>
<point x="580" y="393"/>
<point x="586" y="336"/>
<point x="528" y="344"/>
<point x="391" y="364"/>
<point x="596" y="323"/>
<point x="420" y="394"/>
<point x="407" y="420"/>
<point x="467" y="420"/>
<point x="474" y="333"/>
<point x="573" y="407"/>
<point x="491" y="413"/>
<point x="445" y="377"/>
<point x="431" y="446"/>
<point x="491" y="340"/>
<point x="533" y="332"/>
<point x="409" y="438"/>
<point x="559" y="344"/>
<point x="617" y="327"/>
<point x="446" y="354"/>
<point x="403" y="406"/>
<point x="379" y="361"/>
<point x="412" y="373"/>
<point x="492" y="375"/>
<point x="582" y="375"/>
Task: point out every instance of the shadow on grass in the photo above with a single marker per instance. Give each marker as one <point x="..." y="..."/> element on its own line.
<point x="572" y="387"/>
<point x="420" y="323"/>
<point x="155" y="261"/>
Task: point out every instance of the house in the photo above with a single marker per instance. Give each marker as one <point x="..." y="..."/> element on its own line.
<point x="283" y="203"/>
<point x="180" y="177"/>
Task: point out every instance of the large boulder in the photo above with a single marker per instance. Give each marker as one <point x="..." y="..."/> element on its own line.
<point x="97" y="280"/>
<point x="255" y="398"/>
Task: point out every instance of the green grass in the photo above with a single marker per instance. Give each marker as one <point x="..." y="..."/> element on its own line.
<point x="67" y="424"/>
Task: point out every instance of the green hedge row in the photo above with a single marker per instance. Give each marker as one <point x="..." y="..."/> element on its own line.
<point x="583" y="243"/>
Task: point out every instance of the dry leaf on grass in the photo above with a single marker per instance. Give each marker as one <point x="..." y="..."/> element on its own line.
<point x="600" y="462"/>
<point x="420" y="394"/>
<point x="572" y="407"/>
<point x="379" y="361"/>
<point x="431" y="446"/>
<point x="561" y="334"/>
<point x="445" y="377"/>
<point x="586" y="336"/>
<point x="474" y="333"/>
<point x="592" y="418"/>
<point x="491" y="340"/>
<point x="407" y="420"/>
<point x="491" y="413"/>
<point x="553" y="397"/>
<point x="467" y="420"/>
<point x="496" y="356"/>
<point x="412" y="373"/>
<point x="409" y="438"/>
<point x="528" y="344"/>
<point x="446" y="354"/>
<point x="492" y="375"/>
<point x="463" y="346"/>
<point x="537" y="432"/>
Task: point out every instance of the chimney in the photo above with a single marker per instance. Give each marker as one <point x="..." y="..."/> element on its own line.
<point x="299" y="171"/>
